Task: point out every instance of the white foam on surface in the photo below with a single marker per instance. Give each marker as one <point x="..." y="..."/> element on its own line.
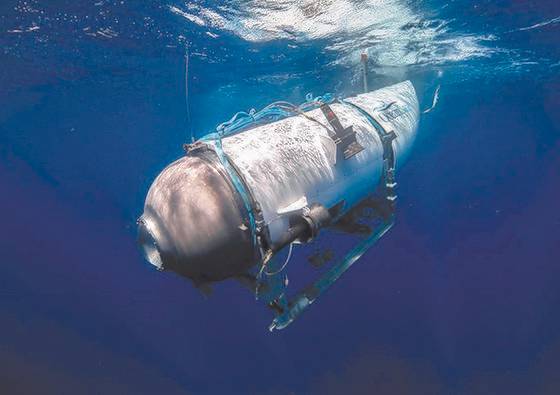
<point x="389" y="30"/>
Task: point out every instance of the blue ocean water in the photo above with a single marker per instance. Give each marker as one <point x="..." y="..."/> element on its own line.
<point x="461" y="297"/>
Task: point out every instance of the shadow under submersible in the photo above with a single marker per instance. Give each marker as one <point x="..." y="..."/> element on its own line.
<point x="267" y="180"/>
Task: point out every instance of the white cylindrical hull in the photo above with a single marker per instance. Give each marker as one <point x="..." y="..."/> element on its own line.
<point x="293" y="161"/>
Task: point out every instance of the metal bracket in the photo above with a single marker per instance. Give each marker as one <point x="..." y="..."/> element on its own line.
<point x="345" y="138"/>
<point x="197" y="146"/>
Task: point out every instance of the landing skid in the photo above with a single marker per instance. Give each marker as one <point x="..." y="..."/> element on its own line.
<point x="288" y="310"/>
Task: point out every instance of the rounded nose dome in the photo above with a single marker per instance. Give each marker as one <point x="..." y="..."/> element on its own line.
<point x="194" y="222"/>
<point x="148" y="243"/>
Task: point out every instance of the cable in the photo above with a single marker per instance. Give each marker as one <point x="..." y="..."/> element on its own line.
<point x="285" y="263"/>
<point x="189" y="125"/>
<point x="271" y="113"/>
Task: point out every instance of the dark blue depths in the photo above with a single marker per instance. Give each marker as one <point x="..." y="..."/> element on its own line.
<point x="461" y="297"/>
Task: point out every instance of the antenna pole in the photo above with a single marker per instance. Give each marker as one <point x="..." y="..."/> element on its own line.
<point x="365" y="71"/>
<point x="189" y="125"/>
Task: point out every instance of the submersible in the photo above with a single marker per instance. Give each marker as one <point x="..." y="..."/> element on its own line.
<point x="268" y="180"/>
